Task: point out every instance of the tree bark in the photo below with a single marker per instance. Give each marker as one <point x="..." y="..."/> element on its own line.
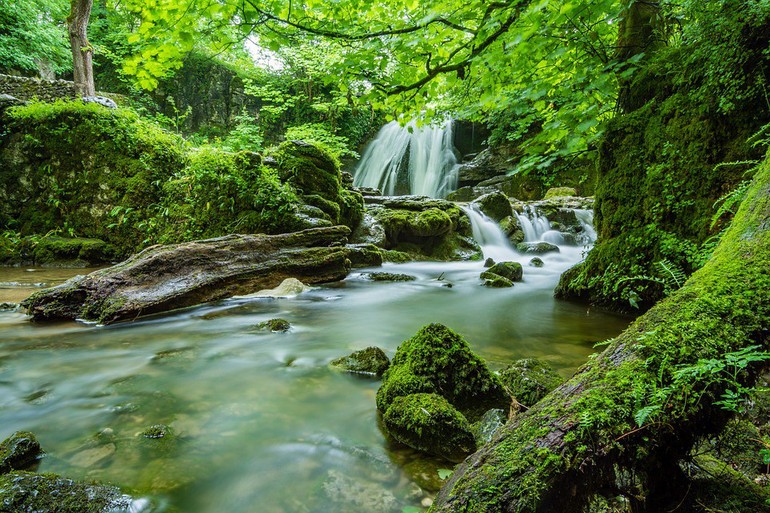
<point x="583" y="440"/>
<point x="82" y="52"/>
<point x="163" y="278"/>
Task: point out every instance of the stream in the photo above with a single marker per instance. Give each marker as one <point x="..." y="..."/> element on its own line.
<point x="260" y="422"/>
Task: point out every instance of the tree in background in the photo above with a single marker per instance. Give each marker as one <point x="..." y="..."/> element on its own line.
<point x="82" y="51"/>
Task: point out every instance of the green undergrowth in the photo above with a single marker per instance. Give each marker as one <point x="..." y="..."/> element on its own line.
<point x="80" y="170"/>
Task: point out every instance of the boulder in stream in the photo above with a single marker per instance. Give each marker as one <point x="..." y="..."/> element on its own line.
<point x="537" y="248"/>
<point x="371" y="361"/>
<point x="437" y="362"/>
<point x="529" y="380"/>
<point x="19" y="451"/>
<point x="163" y="278"/>
<point x="494" y="205"/>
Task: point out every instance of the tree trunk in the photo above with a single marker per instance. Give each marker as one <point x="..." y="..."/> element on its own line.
<point x="82" y="52"/>
<point x="584" y="439"/>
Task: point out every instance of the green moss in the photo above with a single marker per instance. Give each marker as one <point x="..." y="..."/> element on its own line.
<point x="19" y="451"/>
<point x="494" y="205"/>
<point x="370" y="361"/>
<point x="351" y="208"/>
<point x="309" y="168"/>
<point x="510" y="270"/>
<point x="383" y="276"/>
<point x="429" y="423"/>
<point x="560" y="192"/>
<point x="495" y="280"/>
<point x="438" y="360"/>
<point x="23" y="492"/>
<point x="529" y="380"/>
<point x="274" y="325"/>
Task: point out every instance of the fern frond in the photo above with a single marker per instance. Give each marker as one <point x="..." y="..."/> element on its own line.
<point x="730" y="201"/>
<point x="673" y="275"/>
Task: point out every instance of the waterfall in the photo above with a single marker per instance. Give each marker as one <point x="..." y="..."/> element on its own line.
<point x="586" y="219"/>
<point x="494" y="243"/>
<point x="533" y="224"/>
<point x="431" y="167"/>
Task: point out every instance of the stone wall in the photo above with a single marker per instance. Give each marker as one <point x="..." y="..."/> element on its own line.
<point x="26" y="89"/>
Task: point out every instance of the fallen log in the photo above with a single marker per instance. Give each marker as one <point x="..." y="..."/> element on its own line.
<point x="621" y="424"/>
<point x="163" y="278"/>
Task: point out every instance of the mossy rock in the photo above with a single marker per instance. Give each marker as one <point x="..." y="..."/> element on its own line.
<point x="158" y="431"/>
<point x="383" y="276"/>
<point x="24" y="492"/>
<point x="274" y="326"/>
<point x="536" y="262"/>
<point x="495" y="281"/>
<point x="560" y="192"/>
<point x="438" y="360"/>
<point x="429" y="423"/>
<point x="536" y="248"/>
<point x="529" y="380"/>
<point x="371" y="361"/>
<point x="54" y="250"/>
<point x="494" y="205"/>
<point x="351" y="208"/>
<point x="510" y="270"/>
<point x="309" y="169"/>
<point x="408" y="225"/>
<point x="19" y="451"/>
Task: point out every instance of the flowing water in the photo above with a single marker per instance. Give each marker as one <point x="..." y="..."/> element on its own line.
<point x="262" y="423"/>
<point x="428" y="168"/>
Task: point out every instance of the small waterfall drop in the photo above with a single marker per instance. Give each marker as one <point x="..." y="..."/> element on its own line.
<point x="431" y="167"/>
<point x="586" y="219"/>
<point x="533" y="224"/>
<point x="494" y="244"/>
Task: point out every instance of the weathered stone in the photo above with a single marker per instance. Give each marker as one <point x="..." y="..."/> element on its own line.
<point x="537" y="248"/>
<point x="536" y="262"/>
<point x="100" y="100"/>
<point x="163" y="278"/>
<point x="495" y="281"/>
<point x="19" y="451"/>
<point x="510" y="270"/>
<point x="274" y="326"/>
<point x="364" y="255"/>
<point x="560" y="192"/>
<point x="485" y="428"/>
<point x="371" y="361"/>
<point x="24" y="492"/>
<point x="429" y="423"/>
<point x="494" y="205"/>
<point x="383" y="276"/>
<point x="529" y="380"/>
<point x="489" y="262"/>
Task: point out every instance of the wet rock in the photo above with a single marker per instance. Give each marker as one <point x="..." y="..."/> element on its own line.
<point x="438" y="360"/>
<point x="560" y="192"/>
<point x="410" y="202"/>
<point x="289" y="287"/>
<point x="468" y="193"/>
<point x="353" y="495"/>
<point x="24" y="492"/>
<point x="369" y="231"/>
<point x="510" y="270"/>
<point x="496" y="281"/>
<point x="383" y="276"/>
<point x="427" y="422"/>
<point x="100" y="100"/>
<point x="364" y="255"/>
<point x="495" y="205"/>
<point x="9" y="307"/>
<point x="163" y="278"/>
<point x="536" y="262"/>
<point x="512" y="228"/>
<point x="424" y="473"/>
<point x="19" y="451"/>
<point x="485" y="428"/>
<point x="489" y="262"/>
<point x="371" y="361"/>
<point x="537" y="248"/>
<point x="93" y="456"/>
<point x="274" y="326"/>
<point x="529" y="380"/>
<point x="157" y="431"/>
<point x="367" y="191"/>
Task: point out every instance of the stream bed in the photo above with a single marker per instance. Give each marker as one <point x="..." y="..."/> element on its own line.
<point x="260" y="422"/>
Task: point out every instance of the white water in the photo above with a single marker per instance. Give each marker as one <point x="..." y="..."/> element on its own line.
<point x="494" y="243"/>
<point x="432" y="165"/>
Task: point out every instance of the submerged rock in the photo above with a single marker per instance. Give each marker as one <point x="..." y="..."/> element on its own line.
<point x="529" y="380"/>
<point x="371" y="361"/>
<point x="383" y="276"/>
<point x="537" y="248"/>
<point x="536" y="262"/>
<point x="354" y="495"/>
<point x="157" y="431"/>
<point x="24" y="492"/>
<point x="19" y="451"/>
<point x="428" y="423"/>
<point x="274" y="326"/>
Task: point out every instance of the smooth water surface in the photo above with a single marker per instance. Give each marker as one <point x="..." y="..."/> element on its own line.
<point x="262" y="424"/>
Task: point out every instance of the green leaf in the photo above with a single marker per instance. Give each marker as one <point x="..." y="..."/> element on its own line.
<point x="444" y="473"/>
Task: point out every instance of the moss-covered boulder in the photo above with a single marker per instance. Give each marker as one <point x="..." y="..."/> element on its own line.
<point x="19" y="451"/>
<point x="560" y="192"/>
<point x="273" y="326"/>
<point x="529" y="380"/>
<point x="494" y="205"/>
<point x="510" y="270"/>
<point x="495" y="281"/>
<point x="384" y="276"/>
<point x="72" y="252"/>
<point x="438" y="360"/>
<point x="429" y="423"/>
<point x="24" y="492"/>
<point x="371" y="361"/>
<point x="536" y="248"/>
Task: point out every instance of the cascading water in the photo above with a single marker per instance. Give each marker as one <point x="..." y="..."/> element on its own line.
<point x="493" y="242"/>
<point x="431" y="168"/>
<point x="533" y="224"/>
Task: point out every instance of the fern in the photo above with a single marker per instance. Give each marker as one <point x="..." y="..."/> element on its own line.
<point x="641" y="416"/>
<point x="673" y="275"/>
<point x="730" y="201"/>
